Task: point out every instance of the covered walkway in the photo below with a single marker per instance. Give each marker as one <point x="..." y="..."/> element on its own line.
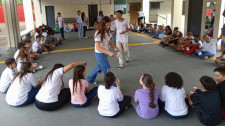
<point x="147" y="57"/>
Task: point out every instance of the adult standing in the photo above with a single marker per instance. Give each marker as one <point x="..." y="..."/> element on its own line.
<point x="84" y="23"/>
<point x="140" y="16"/>
<point x="113" y="28"/>
<point x="78" y="21"/>
<point x="61" y="24"/>
<point x="122" y="29"/>
<point x="100" y="16"/>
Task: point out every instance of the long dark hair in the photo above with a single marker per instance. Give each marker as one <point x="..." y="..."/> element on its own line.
<point x="82" y="16"/>
<point x="150" y="84"/>
<point x="50" y="73"/>
<point x="100" y="13"/>
<point x="102" y="29"/>
<point x="78" y="74"/>
<point x="22" y="53"/>
<point x="25" y="69"/>
<point x="109" y="79"/>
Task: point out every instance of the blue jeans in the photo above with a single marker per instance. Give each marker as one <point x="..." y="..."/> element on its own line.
<point x="205" y="53"/>
<point x="62" y="32"/>
<point x="80" y="30"/>
<point x="90" y="96"/>
<point x="114" y="37"/>
<point x="40" y="51"/>
<point x="31" y="97"/>
<point x="103" y="64"/>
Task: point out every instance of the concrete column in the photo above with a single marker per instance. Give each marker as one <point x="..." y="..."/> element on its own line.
<point x="176" y="15"/>
<point x="218" y="23"/>
<point x="146" y="9"/>
<point x="38" y="13"/>
<point x="28" y="13"/>
<point x="11" y="22"/>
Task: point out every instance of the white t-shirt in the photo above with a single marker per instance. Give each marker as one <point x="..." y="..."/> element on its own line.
<point x="60" y="20"/>
<point x="6" y="78"/>
<point x="84" y="22"/>
<point x="108" y="100"/>
<point x="35" y="46"/>
<point x="35" y="35"/>
<point x="18" y="91"/>
<point x="78" y="19"/>
<point x="104" y="44"/>
<point x="50" y="89"/>
<point x="19" y="63"/>
<point x="140" y="14"/>
<point x="211" y="46"/>
<point x="45" y="34"/>
<point x="174" y="100"/>
<point x="16" y="54"/>
<point x="199" y="43"/>
<point x="122" y="26"/>
<point x="113" y="25"/>
<point x="99" y="18"/>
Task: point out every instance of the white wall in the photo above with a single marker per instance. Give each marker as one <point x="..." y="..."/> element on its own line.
<point x="165" y="8"/>
<point x="69" y="10"/>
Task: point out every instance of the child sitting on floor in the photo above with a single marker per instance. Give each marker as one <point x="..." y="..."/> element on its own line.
<point x="36" y="47"/>
<point x="190" y="47"/>
<point x="20" y="44"/>
<point x="7" y="75"/>
<point x="208" y="47"/>
<point x="219" y="74"/>
<point x="183" y="41"/>
<point x="111" y="100"/>
<point x="31" y="54"/>
<point x="24" y="87"/>
<point x="81" y="95"/>
<point x="147" y="98"/>
<point x="67" y="28"/>
<point x="207" y="102"/>
<point x="173" y="97"/>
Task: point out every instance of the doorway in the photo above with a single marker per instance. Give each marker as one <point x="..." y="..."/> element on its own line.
<point x="50" y="16"/>
<point x="134" y="8"/>
<point x="92" y="14"/>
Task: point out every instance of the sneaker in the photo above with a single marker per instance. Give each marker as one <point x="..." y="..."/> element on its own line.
<point x="39" y="68"/>
<point x="44" y="53"/>
<point x="127" y="61"/>
<point x="85" y="37"/>
<point x="120" y="67"/>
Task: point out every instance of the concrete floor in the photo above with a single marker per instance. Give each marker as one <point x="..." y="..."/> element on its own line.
<point x="151" y="59"/>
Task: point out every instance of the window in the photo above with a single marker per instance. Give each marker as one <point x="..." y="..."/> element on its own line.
<point x="154" y="5"/>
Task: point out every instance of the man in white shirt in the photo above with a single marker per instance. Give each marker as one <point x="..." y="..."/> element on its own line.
<point x="208" y="47"/>
<point x="122" y="29"/>
<point x="61" y="24"/>
<point x="140" y="16"/>
<point x="78" y="21"/>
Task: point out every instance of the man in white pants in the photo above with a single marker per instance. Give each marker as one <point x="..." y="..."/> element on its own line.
<point x="122" y="29"/>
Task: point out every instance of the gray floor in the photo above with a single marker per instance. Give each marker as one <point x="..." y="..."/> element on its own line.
<point x="151" y="59"/>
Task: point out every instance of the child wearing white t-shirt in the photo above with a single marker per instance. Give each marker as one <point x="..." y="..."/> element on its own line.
<point x="111" y="100"/>
<point x="51" y="97"/>
<point x="24" y="87"/>
<point x="208" y="47"/>
<point x="173" y="97"/>
<point x="7" y="75"/>
<point x="102" y="43"/>
<point x="36" y="47"/>
<point x="122" y="29"/>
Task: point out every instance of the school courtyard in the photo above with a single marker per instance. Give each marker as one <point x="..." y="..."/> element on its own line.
<point x="147" y="57"/>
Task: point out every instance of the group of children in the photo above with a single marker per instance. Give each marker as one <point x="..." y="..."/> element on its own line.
<point x="49" y="94"/>
<point x="191" y="44"/>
